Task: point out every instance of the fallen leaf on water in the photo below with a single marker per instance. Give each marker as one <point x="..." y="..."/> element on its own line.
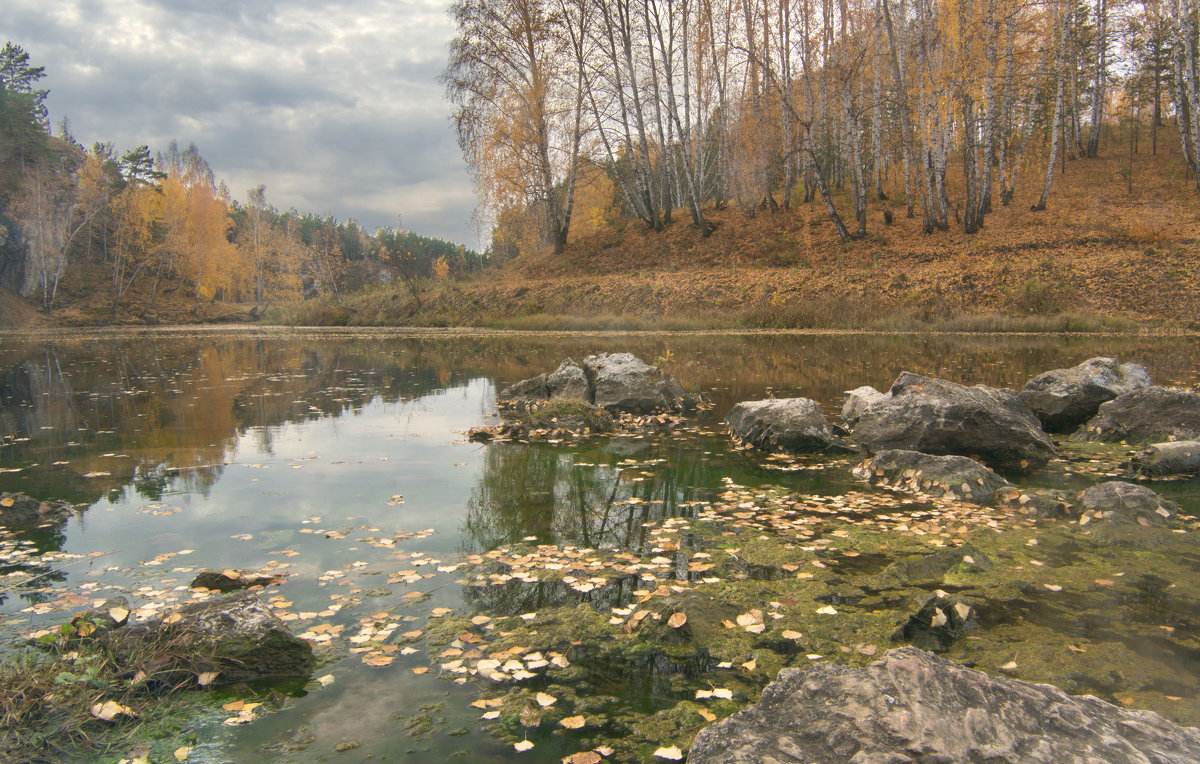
<point x="673" y="753"/>
<point x="545" y="700"/>
<point x="939" y="618"/>
<point x="1009" y="666"/>
<point x="1105" y="581"/>
<point x="487" y="702"/>
<point x="1053" y="587"/>
<point x="182" y="753"/>
<point x="789" y="634"/>
<point x="573" y="722"/>
<point x="583" y="757"/>
<point x="383" y="660"/>
<point x="420" y="670"/>
<point x="676" y="620"/>
<point x="491" y="715"/>
<point x="708" y="716"/>
<point x="206" y="678"/>
<point x="326" y="680"/>
<point x="827" y="610"/>
<point x="750" y="665"/>
<point x="523" y="746"/>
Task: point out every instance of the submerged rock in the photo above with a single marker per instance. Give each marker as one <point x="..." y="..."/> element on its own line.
<point x="20" y="511"/>
<point x="613" y="381"/>
<point x="1063" y="399"/>
<point x="933" y="568"/>
<point x="935" y="416"/>
<point x="231" y="580"/>
<point x="1148" y="415"/>
<point x="915" y="472"/>
<point x="938" y="623"/>
<point x="1181" y="457"/>
<point x="913" y="706"/>
<point x="1038" y="502"/>
<point x="858" y="401"/>
<point x="1120" y="502"/>
<point x="791" y="424"/>
<point x="237" y="636"/>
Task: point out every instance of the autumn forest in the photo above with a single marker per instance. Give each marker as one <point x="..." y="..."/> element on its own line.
<point x="126" y="227"/>
<point x="926" y="108"/>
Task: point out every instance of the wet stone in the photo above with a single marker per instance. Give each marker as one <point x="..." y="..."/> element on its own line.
<point x="940" y="621"/>
<point x="912" y="700"/>
<point x="1119" y="502"/>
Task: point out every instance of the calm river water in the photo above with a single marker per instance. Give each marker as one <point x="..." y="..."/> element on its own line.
<point x="231" y="448"/>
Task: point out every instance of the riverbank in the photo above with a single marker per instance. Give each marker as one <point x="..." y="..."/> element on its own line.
<point x="1103" y="258"/>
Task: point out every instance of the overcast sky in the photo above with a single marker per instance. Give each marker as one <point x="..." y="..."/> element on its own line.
<point x="334" y="105"/>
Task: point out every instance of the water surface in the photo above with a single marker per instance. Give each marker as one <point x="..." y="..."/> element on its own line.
<point x="309" y="451"/>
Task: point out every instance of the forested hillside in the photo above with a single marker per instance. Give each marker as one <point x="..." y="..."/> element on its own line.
<point x="105" y="235"/>
<point x="577" y="116"/>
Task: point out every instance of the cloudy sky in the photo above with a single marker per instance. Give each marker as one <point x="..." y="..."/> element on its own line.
<point x="334" y="105"/>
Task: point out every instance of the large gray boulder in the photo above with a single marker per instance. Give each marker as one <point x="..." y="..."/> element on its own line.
<point x="1120" y="502"/>
<point x="913" y="706"/>
<point x="936" y="416"/>
<point x="236" y="636"/>
<point x="790" y="424"/>
<point x="928" y="475"/>
<point x="624" y="382"/>
<point x="18" y="511"/>
<point x="614" y="381"/>
<point x="1180" y="457"/>
<point x="1066" y="398"/>
<point x="1148" y="415"/>
<point x="858" y="401"/>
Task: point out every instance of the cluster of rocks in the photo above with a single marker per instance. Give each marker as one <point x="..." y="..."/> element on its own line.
<point x="936" y="438"/>
<point x="1100" y="399"/>
<point x="615" y="382"/>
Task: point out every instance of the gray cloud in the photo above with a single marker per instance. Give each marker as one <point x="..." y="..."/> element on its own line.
<point x="334" y="106"/>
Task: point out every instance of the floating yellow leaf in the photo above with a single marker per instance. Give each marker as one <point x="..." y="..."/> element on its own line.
<point x="789" y="634"/>
<point x="573" y="722"/>
<point x="583" y="757"/>
<point x="708" y="716"/>
<point x="676" y="620"/>
<point x="182" y="753"/>
<point x="109" y="710"/>
<point x="545" y="700"/>
<point x="523" y="746"/>
<point x="673" y="753"/>
<point x="206" y="677"/>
